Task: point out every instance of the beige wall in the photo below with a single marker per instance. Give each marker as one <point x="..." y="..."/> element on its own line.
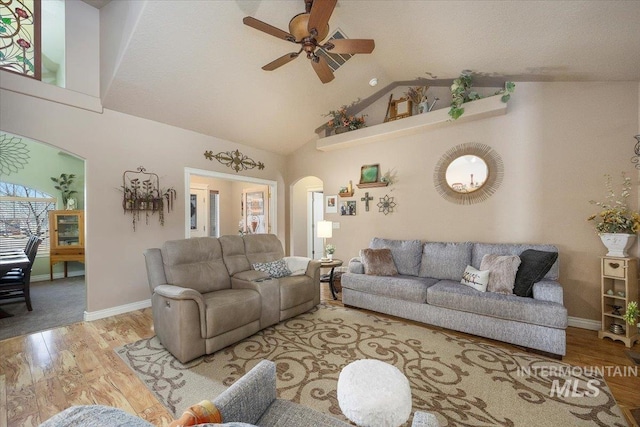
<point x="299" y="231"/>
<point x="557" y="141"/>
<point x="112" y="143"/>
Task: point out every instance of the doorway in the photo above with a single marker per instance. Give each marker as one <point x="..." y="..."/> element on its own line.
<point x="228" y="204"/>
<point x="316" y="213"/>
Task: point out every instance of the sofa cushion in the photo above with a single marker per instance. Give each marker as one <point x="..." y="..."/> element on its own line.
<point x="477" y="279"/>
<point x="295" y="290"/>
<point x="233" y="254"/>
<point x="502" y="272"/>
<point x="195" y="263"/>
<point x="407" y="288"/>
<point x="407" y="254"/>
<point x="277" y="268"/>
<point x="448" y="260"/>
<point x="262" y="248"/>
<point x="481" y="249"/>
<point x="453" y="295"/>
<point x="229" y="309"/>
<point x="378" y="262"/>
<point x="533" y="267"/>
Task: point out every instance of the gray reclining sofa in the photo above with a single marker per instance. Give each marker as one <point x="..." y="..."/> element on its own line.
<point x="428" y="290"/>
<point x="206" y="295"/>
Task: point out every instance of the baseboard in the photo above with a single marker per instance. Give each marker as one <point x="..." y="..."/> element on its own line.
<point x="47" y="278"/>
<point x="108" y="312"/>
<point x="578" y="322"/>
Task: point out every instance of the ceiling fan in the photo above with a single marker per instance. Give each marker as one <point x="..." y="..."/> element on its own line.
<point x="309" y="29"/>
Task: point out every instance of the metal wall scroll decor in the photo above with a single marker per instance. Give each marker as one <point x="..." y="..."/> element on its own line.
<point x="386" y="205"/>
<point x="235" y="160"/>
<point x="14" y="154"/>
<point x="636" y="159"/>
<point x="476" y="190"/>
<point x="142" y="193"/>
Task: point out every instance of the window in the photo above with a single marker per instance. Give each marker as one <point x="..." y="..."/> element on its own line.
<point x="24" y="212"/>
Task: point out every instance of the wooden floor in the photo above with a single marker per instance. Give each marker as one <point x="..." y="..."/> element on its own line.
<point x="44" y="373"/>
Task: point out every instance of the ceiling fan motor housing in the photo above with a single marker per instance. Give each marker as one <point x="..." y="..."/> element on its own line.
<point x="299" y="28"/>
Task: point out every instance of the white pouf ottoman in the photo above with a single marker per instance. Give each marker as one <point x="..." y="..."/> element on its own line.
<point x="372" y="393"/>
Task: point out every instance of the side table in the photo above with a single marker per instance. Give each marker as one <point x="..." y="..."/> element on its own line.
<point x="329" y="279"/>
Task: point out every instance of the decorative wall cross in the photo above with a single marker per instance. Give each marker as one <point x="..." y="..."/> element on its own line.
<point x="366" y="199"/>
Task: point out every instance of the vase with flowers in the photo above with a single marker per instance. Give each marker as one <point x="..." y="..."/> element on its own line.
<point x="343" y="121"/>
<point x="330" y="249"/>
<point x="616" y="223"/>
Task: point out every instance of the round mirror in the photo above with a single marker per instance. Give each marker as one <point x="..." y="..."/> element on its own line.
<point x="468" y="173"/>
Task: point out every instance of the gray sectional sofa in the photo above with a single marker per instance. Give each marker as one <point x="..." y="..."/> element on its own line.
<point x="428" y="290"/>
<point x="206" y="295"/>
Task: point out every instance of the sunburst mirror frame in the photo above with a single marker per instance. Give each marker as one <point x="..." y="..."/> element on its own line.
<point x="495" y="173"/>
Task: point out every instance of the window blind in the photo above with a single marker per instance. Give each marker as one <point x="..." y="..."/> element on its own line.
<point x="22" y="217"/>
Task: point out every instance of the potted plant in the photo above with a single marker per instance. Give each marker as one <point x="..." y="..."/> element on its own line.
<point x="330" y="249"/>
<point x="461" y="92"/>
<point x="631" y="315"/>
<point x="63" y="184"/>
<point x="342" y="121"/>
<point x="617" y="224"/>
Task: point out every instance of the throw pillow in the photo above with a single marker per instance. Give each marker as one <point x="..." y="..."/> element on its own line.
<point x="378" y="262"/>
<point x="406" y="253"/>
<point x="297" y="264"/>
<point x="533" y="267"/>
<point x="445" y="260"/>
<point x="477" y="279"/>
<point x="274" y="268"/>
<point x="503" y="269"/>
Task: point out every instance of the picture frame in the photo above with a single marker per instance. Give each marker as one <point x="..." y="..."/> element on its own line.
<point x="348" y="208"/>
<point x="331" y="204"/>
<point x="399" y="108"/>
<point x="369" y="174"/>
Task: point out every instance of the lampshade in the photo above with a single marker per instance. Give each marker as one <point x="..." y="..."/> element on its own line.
<point x="325" y="229"/>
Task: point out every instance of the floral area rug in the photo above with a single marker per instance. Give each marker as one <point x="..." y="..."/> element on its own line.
<point x="465" y="382"/>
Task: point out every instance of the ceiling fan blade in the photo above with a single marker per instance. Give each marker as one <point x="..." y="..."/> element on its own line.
<point x="321" y="11"/>
<point x="351" y="46"/>
<point x="322" y="69"/>
<point x="266" y="28"/>
<point x="280" y="61"/>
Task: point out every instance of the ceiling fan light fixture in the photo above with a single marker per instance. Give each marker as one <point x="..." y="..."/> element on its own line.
<point x="373" y="82"/>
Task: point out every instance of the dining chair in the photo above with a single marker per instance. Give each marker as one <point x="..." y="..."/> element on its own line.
<point x="27" y="250"/>
<point x="14" y="285"/>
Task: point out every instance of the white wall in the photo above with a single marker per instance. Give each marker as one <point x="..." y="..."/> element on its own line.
<point x="82" y="41"/>
<point x="299" y="231"/>
<point x="112" y="143"/>
<point x="557" y="141"/>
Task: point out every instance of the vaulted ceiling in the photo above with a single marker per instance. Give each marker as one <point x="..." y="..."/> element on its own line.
<point x="193" y="64"/>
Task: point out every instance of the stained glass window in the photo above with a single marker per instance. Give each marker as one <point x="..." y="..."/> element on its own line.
<point x="20" y="37"/>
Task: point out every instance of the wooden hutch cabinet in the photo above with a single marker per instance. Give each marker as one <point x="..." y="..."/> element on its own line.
<point x="66" y="230"/>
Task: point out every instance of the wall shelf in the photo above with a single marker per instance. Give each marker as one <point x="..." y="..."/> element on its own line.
<point x="373" y="184"/>
<point x="474" y="110"/>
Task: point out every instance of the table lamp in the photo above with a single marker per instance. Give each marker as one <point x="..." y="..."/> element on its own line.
<point x="325" y="231"/>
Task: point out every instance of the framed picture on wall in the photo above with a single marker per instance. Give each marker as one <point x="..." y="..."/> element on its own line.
<point x="369" y="173"/>
<point x="348" y="208"/>
<point x="331" y="204"/>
